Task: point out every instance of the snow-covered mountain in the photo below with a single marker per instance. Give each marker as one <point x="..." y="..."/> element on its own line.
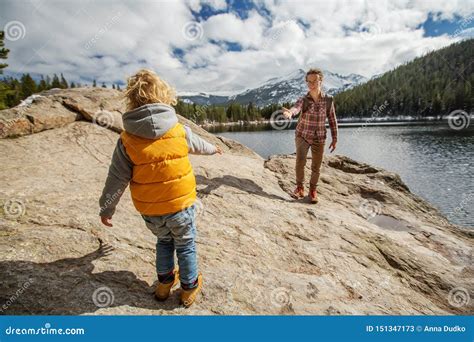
<point x="203" y="98"/>
<point x="279" y="89"/>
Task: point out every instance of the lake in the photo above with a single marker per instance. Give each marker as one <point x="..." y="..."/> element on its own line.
<point x="435" y="161"/>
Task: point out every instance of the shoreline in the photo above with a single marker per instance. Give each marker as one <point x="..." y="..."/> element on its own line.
<point x="467" y="227"/>
<point x="341" y="123"/>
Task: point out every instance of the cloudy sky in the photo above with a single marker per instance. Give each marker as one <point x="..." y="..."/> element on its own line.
<point x="223" y="46"/>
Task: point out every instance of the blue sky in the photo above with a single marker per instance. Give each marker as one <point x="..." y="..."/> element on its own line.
<point x="221" y="46"/>
<point x="434" y="28"/>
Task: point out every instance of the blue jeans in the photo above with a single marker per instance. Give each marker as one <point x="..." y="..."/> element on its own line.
<point x="175" y="231"/>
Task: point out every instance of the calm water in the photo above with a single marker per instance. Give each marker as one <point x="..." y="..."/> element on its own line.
<point x="435" y="161"/>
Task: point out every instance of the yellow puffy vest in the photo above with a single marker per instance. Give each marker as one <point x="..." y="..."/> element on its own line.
<point x="163" y="181"/>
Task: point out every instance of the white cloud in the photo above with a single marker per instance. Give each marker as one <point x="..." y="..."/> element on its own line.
<point x="229" y="27"/>
<point x="111" y="40"/>
<point x="196" y="5"/>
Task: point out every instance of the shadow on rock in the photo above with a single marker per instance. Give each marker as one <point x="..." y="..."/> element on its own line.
<point x="243" y="184"/>
<point x="69" y="286"/>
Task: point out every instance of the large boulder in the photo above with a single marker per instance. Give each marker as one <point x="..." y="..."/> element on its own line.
<point x="369" y="247"/>
<point x="33" y="115"/>
<point x="103" y="107"/>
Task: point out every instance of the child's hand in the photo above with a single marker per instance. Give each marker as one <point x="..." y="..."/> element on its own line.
<point x="105" y="221"/>
<point x="218" y="149"/>
<point x="286" y="113"/>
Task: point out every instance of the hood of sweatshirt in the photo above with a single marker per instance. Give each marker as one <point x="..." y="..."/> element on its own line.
<point x="150" y="121"/>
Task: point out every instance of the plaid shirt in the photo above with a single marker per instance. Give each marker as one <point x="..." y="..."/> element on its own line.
<point x="312" y="123"/>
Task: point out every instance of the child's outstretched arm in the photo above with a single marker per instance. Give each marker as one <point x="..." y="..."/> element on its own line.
<point x="120" y="174"/>
<point x="197" y="145"/>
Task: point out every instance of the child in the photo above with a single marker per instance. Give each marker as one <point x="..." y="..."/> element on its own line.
<point x="310" y="131"/>
<point x="152" y="155"/>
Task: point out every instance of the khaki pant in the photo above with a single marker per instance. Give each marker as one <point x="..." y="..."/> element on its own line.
<point x="317" y="151"/>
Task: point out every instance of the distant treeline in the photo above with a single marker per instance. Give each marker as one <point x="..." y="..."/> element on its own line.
<point x="13" y="91"/>
<point x="226" y="113"/>
<point x="431" y="85"/>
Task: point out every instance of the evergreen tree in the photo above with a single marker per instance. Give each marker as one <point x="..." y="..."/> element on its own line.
<point x="3" y="51"/>
<point x="4" y="88"/>
<point x="48" y="82"/>
<point x="28" y="86"/>
<point x="56" y="83"/>
<point x="426" y="86"/>
<point x="12" y="95"/>
<point x="63" y="82"/>
<point x="252" y="112"/>
<point x="42" y="85"/>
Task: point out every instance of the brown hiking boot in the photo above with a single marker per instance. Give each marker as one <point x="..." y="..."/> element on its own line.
<point x="189" y="296"/>
<point x="313" y="196"/>
<point x="299" y="192"/>
<point x="162" y="291"/>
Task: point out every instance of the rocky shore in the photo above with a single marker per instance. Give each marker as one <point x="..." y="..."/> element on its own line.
<point x="370" y="246"/>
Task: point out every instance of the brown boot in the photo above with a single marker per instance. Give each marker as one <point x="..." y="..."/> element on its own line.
<point x="162" y="291"/>
<point x="313" y="195"/>
<point x="189" y="296"/>
<point x="299" y="192"/>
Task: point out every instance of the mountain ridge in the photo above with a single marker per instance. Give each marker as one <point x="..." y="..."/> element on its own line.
<point x="278" y="89"/>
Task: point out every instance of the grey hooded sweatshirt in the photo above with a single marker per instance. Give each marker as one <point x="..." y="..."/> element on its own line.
<point x="149" y="121"/>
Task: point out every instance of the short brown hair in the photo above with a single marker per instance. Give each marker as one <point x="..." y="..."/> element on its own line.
<point x="314" y="71"/>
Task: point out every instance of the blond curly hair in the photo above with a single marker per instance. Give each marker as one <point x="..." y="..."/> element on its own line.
<point x="147" y="87"/>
